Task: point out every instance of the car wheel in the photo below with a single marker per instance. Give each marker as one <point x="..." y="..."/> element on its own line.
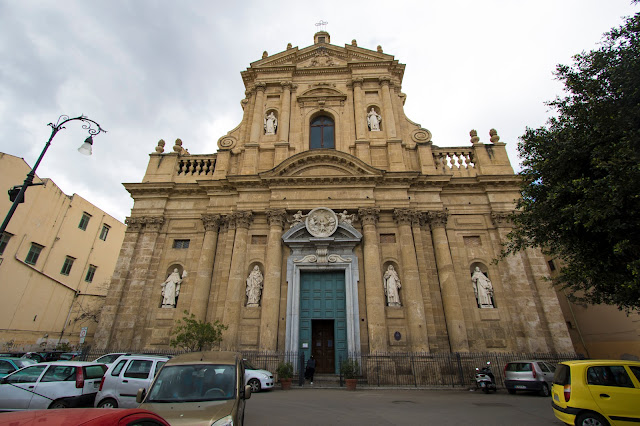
<point x="545" y="390"/>
<point x="255" y="385"/>
<point x="108" y="403"/>
<point x="591" y="419"/>
<point x="511" y="391"/>
<point x="58" y="404"/>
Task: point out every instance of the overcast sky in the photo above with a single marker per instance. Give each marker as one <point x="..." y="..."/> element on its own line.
<point x="149" y="70"/>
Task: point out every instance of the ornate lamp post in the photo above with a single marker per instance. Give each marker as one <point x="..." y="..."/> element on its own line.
<point x="18" y="195"/>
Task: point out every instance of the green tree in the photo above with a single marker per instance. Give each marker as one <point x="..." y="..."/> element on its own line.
<point x="194" y="335"/>
<point x="581" y="188"/>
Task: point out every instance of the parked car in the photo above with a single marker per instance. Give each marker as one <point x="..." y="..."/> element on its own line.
<point x="34" y="356"/>
<point x="51" y="356"/>
<point x="125" y="377"/>
<point x="199" y="388"/>
<point x="84" y="417"/>
<point x="58" y="384"/>
<point x="256" y="378"/>
<point x="597" y="392"/>
<point x="529" y="375"/>
<point x="10" y="364"/>
<point x="109" y="359"/>
<point x="68" y="356"/>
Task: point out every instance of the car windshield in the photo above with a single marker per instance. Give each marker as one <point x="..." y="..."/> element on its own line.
<point x="24" y="362"/>
<point x="248" y="365"/>
<point x="108" y="359"/>
<point x="193" y="383"/>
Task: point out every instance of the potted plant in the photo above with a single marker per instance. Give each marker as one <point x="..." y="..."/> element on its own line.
<point x="350" y="370"/>
<point x="285" y="373"/>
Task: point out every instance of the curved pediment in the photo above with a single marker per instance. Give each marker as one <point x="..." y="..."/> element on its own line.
<point x="322" y="163"/>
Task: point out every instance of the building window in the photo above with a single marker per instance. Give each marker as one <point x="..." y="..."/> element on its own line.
<point x="90" y="273"/>
<point x="180" y="244"/>
<point x="66" y="267"/>
<point x="104" y="232"/>
<point x="321" y="135"/>
<point x="84" y="221"/>
<point x="34" y="252"/>
<point x="4" y="240"/>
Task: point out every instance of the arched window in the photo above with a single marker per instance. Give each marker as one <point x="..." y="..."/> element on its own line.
<point x="322" y="134"/>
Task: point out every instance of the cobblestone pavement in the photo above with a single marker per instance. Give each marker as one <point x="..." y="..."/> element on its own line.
<point x="396" y="407"/>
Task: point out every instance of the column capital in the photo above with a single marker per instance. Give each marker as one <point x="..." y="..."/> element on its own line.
<point x="211" y="221"/>
<point x="357" y="81"/>
<point x="437" y="219"/>
<point x="153" y="223"/>
<point x="406" y="216"/>
<point x="277" y="217"/>
<point x="134" y="224"/>
<point x="260" y="86"/>
<point x="384" y="80"/>
<point x="241" y="219"/>
<point x="369" y="215"/>
<point x="250" y="91"/>
<point x="502" y="219"/>
<point x="286" y="84"/>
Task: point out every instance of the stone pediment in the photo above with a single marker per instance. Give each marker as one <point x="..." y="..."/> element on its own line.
<point x="323" y="164"/>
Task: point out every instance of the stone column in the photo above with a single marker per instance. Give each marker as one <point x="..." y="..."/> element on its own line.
<point x="388" y="118"/>
<point x="374" y="289"/>
<point x="448" y="285"/>
<point x="361" y="121"/>
<point x="256" y="123"/>
<point x="286" y="111"/>
<point x="273" y="276"/>
<point x="202" y="287"/>
<point x="130" y="320"/>
<point x="109" y="315"/>
<point x="237" y="277"/>
<point x="412" y="300"/>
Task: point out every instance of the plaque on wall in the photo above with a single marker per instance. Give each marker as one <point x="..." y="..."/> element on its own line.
<point x="322" y="222"/>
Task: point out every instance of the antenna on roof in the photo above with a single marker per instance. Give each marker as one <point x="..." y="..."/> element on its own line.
<point x="322" y="25"/>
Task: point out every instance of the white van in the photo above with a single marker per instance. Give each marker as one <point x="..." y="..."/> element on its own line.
<point x="124" y="377"/>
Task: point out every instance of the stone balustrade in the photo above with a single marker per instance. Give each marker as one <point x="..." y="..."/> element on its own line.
<point x="196" y="165"/>
<point x="454" y="160"/>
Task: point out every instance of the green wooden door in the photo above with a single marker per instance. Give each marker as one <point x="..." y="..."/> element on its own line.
<point x="322" y="297"/>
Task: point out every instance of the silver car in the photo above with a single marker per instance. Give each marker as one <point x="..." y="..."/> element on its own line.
<point x="529" y="375"/>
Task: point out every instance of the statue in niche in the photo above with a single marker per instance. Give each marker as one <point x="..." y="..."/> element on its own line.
<point x="270" y="124"/>
<point x="482" y="288"/>
<point x="391" y="286"/>
<point x="254" y="287"/>
<point x="373" y="120"/>
<point x="171" y="288"/>
<point x="345" y="217"/>
<point x="298" y="217"/>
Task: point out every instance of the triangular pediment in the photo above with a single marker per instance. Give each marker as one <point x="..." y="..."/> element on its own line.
<point x="324" y="164"/>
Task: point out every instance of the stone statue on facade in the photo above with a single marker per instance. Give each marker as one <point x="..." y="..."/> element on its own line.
<point x="346" y="218"/>
<point x="270" y="124"/>
<point x="298" y="217"/>
<point x="391" y="286"/>
<point x="254" y="287"/>
<point x="482" y="288"/>
<point x="373" y="120"/>
<point x="171" y="288"/>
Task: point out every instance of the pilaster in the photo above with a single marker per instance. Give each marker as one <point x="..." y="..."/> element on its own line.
<point x="202" y="287"/>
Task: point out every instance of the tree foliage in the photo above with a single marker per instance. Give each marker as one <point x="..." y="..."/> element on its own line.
<point x="581" y="189"/>
<point x="194" y="335"/>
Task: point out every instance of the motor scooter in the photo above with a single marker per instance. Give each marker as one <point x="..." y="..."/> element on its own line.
<point x="485" y="379"/>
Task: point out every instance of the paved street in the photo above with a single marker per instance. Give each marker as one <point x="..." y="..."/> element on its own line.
<point x="396" y="407"/>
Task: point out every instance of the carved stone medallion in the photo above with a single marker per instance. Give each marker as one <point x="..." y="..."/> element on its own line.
<point x="322" y="222"/>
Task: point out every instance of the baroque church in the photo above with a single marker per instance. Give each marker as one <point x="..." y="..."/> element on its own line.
<point x="329" y="223"/>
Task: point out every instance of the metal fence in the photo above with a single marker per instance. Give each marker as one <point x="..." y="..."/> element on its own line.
<point x="414" y="369"/>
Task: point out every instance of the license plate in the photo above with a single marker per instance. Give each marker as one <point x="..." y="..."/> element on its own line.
<point x="520" y="387"/>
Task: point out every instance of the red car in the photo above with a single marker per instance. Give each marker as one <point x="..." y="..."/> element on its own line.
<point x="83" y="416"/>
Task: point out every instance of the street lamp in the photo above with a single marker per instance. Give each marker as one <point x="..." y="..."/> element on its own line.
<point x="18" y="196"/>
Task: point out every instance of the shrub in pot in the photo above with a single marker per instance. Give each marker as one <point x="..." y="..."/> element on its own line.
<point x="285" y="373"/>
<point x="350" y="370"/>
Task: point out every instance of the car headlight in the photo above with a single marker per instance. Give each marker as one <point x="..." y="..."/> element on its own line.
<point x="225" y="421"/>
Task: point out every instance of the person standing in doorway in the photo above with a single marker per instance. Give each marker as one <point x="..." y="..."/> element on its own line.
<point x="311" y="369"/>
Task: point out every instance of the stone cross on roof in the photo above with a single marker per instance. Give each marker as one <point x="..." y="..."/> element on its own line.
<point x="322" y="25"/>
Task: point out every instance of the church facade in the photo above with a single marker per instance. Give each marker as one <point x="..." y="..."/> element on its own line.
<point x="329" y="223"/>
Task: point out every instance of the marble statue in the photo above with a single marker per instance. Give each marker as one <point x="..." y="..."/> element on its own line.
<point x="346" y="218"/>
<point x="171" y="288"/>
<point x="254" y="287"/>
<point x="270" y="124"/>
<point x="482" y="288"/>
<point x="373" y="120"/>
<point x="298" y="217"/>
<point x="391" y="286"/>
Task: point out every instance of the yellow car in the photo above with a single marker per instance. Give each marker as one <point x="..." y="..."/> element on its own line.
<point x="597" y="392"/>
